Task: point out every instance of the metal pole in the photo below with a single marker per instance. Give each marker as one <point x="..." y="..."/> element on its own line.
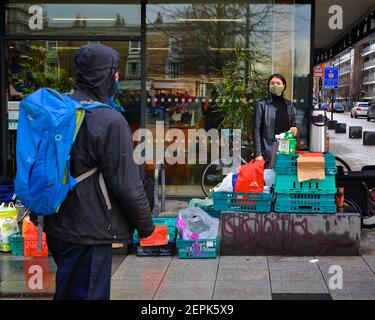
<point x="143" y="77"/>
<point x="3" y="99"/>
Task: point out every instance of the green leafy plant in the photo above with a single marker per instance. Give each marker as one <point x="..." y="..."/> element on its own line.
<point x="241" y="86"/>
<point x="35" y="72"/>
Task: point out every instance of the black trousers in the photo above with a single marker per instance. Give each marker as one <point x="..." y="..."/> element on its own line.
<point x="83" y="271"/>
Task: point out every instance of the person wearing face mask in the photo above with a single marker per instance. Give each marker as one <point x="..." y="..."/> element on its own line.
<point x="81" y="234"/>
<point x="272" y="115"/>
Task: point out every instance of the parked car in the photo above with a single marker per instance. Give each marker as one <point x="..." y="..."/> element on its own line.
<point x="359" y="110"/>
<point x="337" y="107"/>
<point x="324" y="106"/>
<point x="371" y="110"/>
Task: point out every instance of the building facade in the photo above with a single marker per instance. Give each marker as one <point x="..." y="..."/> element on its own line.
<point x="356" y="74"/>
<point x="175" y="57"/>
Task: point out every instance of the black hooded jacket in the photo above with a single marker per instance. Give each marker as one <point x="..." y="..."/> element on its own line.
<point x="104" y="141"/>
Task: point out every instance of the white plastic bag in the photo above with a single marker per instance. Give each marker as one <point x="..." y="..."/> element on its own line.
<point x="226" y="185"/>
<point x="269" y="177"/>
<point x="8" y="225"/>
<point x="195" y="224"/>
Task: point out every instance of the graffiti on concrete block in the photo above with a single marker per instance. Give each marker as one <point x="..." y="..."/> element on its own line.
<point x="266" y="234"/>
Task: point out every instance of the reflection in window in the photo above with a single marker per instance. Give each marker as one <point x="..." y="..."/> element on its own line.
<point x="47" y="18"/>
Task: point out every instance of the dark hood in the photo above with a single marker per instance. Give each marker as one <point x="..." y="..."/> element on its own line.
<point x="96" y="67"/>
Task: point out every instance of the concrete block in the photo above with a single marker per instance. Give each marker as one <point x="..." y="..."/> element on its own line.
<point x="355" y="132"/>
<point x="332" y="124"/>
<point x="340" y="128"/>
<point x="283" y="234"/>
<point x="369" y="138"/>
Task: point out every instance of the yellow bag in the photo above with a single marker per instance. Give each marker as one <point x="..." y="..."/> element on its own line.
<point x="8" y="225"/>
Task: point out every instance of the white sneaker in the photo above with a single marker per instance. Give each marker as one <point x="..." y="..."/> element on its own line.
<point x="369" y="221"/>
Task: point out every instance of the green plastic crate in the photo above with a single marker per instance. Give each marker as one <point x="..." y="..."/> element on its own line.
<point x="242" y="202"/>
<point x="197" y="249"/>
<point x="289" y="184"/>
<point x="16" y="244"/>
<point x="305" y="203"/>
<point x="286" y="164"/>
<point x="170" y="222"/>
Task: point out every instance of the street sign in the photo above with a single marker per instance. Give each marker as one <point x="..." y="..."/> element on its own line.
<point x="319" y="71"/>
<point x="13" y="114"/>
<point x="331" y="78"/>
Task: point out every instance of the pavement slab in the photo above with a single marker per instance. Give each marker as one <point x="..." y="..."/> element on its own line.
<point x="185" y="290"/>
<point x="242" y="290"/>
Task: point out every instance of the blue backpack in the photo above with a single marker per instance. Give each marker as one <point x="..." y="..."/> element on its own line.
<point x="47" y="127"/>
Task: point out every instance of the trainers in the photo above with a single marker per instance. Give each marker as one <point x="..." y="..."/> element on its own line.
<point x="369" y="221"/>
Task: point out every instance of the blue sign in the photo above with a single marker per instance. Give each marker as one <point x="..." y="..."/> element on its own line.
<point x="331" y="78"/>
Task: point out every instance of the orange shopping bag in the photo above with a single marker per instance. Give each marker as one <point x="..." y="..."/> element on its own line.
<point x="30" y="235"/>
<point x="158" y="238"/>
<point x="250" y="177"/>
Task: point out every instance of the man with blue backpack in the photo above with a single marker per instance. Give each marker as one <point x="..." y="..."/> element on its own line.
<point x="75" y="168"/>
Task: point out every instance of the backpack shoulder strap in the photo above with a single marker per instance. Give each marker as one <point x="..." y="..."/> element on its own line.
<point x="102" y="184"/>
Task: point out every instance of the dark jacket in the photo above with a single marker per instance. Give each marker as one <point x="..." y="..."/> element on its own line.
<point x="104" y="141"/>
<point x="264" y="126"/>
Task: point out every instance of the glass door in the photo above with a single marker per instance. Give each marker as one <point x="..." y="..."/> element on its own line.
<point x="33" y="64"/>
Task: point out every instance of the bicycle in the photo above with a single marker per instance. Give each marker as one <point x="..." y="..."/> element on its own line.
<point x="214" y="172"/>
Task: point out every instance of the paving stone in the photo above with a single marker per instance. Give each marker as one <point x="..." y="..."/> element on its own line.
<point x="243" y="262"/>
<point x="185" y="290"/>
<point x="370" y="260"/>
<point x="197" y="274"/>
<point x="295" y="286"/>
<point x="350" y="296"/>
<point x="8" y="286"/>
<point x="240" y="274"/>
<point x="355" y="287"/>
<point x="140" y="273"/>
<point x="300" y="274"/>
<point x="133" y="289"/>
<point x="194" y="263"/>
<point x="242" y="290"/>
<point x="351" y="274"/>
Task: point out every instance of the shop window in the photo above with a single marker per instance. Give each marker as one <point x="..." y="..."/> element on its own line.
<point x="78" y="18"/>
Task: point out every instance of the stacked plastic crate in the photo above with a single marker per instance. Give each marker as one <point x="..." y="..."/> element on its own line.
<point x="311" y="196"/>
<point x="164" y="250"/>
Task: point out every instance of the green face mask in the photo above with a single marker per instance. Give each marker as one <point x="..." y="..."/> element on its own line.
<point x="276" y="90"/>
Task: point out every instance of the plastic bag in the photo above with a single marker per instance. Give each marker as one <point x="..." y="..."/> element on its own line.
<point x="226" y="185"/>
<point x="250" y="177"/>
<point x="206" y="204"/>
<point x="8" y="225"/>
<point x="269" y="177"/>
<point x="196" y="224"/>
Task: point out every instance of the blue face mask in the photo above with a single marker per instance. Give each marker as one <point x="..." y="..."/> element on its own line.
<point x="113" y="104"/>
<point x="118" y="86"/>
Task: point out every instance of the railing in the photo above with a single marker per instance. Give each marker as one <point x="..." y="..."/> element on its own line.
<point x="368" y="49"/>
<point x="368" y="79"/>
<point x="369" y="64"/>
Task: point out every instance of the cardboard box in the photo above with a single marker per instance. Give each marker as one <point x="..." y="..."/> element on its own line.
<point x="309" y="168"/>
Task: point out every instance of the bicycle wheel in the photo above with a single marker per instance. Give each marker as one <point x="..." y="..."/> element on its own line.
<point x="351" y="206"/>
<point x="212" y="175"/>
<point x="342" y="166"/>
